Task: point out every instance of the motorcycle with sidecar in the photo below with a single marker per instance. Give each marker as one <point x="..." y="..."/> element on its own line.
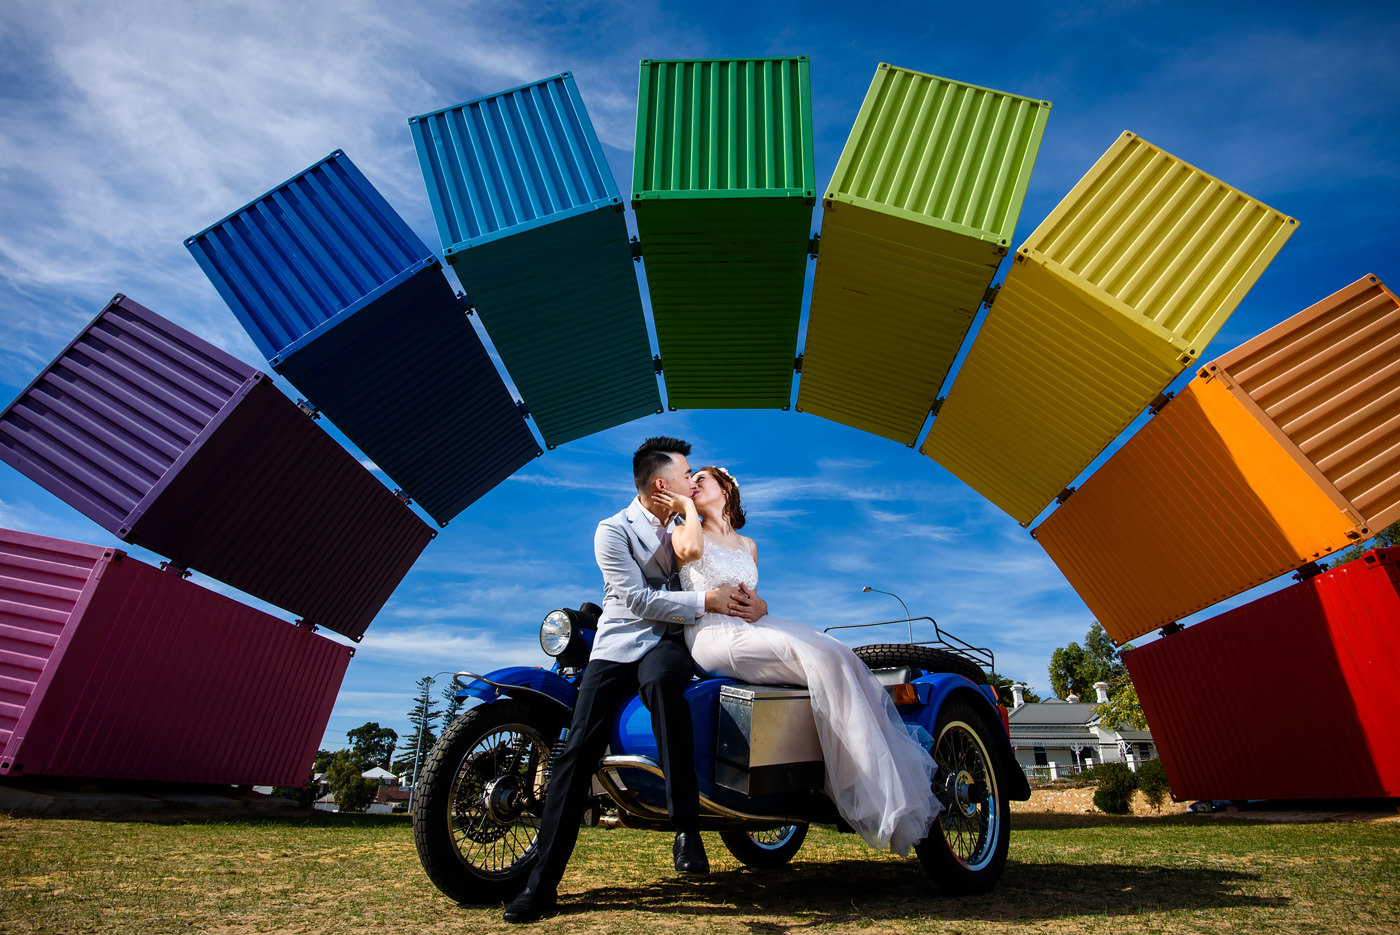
<point x="481" y="791"/>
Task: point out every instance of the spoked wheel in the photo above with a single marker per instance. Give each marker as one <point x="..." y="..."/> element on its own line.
<point x="771" y="848"/>
<point x="969" y="854"/>
<point x="480" y="797"/>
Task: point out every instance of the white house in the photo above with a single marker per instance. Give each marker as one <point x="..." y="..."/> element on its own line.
<point x="1058" y="737"/>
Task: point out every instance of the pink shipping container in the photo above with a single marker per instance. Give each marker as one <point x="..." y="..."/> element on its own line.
<point x="111" y="668"/>
<point x="1292" y="696"/>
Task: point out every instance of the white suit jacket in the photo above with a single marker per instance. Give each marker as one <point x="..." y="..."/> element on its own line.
<point x="639" y="603"/>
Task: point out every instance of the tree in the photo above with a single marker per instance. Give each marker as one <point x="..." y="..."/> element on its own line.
<point x="1152" y="780"/>
<point x="373" y="744"/>
<point x="1116" y="784"/>
<point x="454" y="705"/>
<point x="322" y="761"/>
<point x="1123" y="711"/>
<point x="353" y="792"/>
<point x="1074" y="669"/>
<point x="421" y="739"/>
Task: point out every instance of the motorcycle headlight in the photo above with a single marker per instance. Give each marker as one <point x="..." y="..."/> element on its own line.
<point x="555" y="632"/>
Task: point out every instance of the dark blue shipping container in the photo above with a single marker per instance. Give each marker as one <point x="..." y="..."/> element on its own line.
<point x="533" y="224"/>
<point x="353" y="309"/>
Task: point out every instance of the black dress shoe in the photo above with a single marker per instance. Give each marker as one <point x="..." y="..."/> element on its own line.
<point x="530" y="906"/>
<point x="689" y="851"/>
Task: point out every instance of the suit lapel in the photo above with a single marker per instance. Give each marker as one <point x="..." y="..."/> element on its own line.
<point x="640" y="520"/>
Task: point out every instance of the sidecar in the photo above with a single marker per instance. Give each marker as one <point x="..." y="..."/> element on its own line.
<point x="482" y="789"/>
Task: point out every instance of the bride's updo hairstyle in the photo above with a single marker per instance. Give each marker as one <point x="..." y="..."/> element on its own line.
<point x="733" y="511"/>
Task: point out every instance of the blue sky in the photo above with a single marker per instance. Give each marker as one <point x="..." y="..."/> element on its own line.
<point x="124" y="128"/>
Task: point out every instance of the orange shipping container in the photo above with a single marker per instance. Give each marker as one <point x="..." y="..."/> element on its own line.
<point x="1280" y="452"/>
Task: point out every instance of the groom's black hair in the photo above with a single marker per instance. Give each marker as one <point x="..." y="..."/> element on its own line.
<point x="654" y="456"/>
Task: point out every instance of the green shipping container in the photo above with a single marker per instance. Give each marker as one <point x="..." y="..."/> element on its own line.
<point x="723" y="188"/>
<point x="916" y="220"/>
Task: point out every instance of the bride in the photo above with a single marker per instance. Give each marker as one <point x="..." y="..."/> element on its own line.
<point x="878" y="776"/>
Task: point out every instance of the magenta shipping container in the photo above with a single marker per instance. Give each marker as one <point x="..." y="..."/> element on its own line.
<point x="1293" y="696"/>
<point x="111" y="668"/>
<point x="172" y="444"/>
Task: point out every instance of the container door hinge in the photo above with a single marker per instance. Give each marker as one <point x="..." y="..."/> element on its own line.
<point x="521" y="408"/>
<point x="656" y="364"/>
<point x="308" y="409"/>
<point x="797" y="363"/>
<point x="990" y="295"/>
<point x="307" y="625"/>
<point x="813" y="245"/>
<point x="1157" y="404"/>
<point x="1170" y="628"/>
<point x="1310" y="570"/>
<point x="1065" y="494"/>
<point x="404" y="498"/>
<point x="937" y="405"/>
<point x="466" y="302"/>
<point x="180" y="571"/>
<point x="636" y="250"/>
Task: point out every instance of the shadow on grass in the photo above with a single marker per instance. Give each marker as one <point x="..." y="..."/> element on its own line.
<point x="842" y="891"/>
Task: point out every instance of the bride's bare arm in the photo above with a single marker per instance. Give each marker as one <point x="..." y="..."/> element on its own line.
<point x="688" y="539"/>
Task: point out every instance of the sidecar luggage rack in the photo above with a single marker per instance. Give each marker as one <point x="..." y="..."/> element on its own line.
<point x="980" y="656"/>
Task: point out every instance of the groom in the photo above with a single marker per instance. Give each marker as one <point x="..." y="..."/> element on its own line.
<point x="640" y="646"/>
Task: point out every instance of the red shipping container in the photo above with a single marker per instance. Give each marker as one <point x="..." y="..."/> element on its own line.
<point x="1293" y="696"/>
<point x="111" y="668"/>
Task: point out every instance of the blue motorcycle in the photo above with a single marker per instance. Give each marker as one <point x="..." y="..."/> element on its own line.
<point x="481" y="792"/>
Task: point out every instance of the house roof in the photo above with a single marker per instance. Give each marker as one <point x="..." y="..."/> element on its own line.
<point x="1053" y="714"/>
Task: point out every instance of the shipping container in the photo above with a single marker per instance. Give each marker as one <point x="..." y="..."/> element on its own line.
<point x="1292" y="696"/>
<point x="917" y="218"/>
<point x="1327" y="381"/>
<point x="111" y="668"/>
<point x="723" y="189"/>
<point x="1201" y="504"/>
<point x="172" y="444"/>
<point x="532" y="222"/>
<point x="1286" y="449"/>
<point x="351" y="307"/>
<point x="1110" y="298"/>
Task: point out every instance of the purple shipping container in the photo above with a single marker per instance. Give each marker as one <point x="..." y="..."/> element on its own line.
<point x="110" y="668"/>
<point x="172" y="444"/>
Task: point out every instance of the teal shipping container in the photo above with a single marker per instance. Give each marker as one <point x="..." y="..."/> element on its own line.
<point x="723" y="186"/>
<point x="532" y="222"/>
<point x="351" y="307"/>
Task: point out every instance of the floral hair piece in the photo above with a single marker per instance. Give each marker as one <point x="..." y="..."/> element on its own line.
<point x="725" y="471"/>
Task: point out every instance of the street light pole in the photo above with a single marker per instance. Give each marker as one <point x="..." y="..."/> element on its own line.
<point x="422" y="728"/>
<point x="907" y="618"/>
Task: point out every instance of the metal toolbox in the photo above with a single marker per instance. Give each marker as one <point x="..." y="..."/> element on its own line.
<point x="767" y="741"/>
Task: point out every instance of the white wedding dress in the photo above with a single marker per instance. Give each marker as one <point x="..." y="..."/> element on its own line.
<point x="878" y="776"/>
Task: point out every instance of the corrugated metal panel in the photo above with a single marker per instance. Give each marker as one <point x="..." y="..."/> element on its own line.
<point x="114" y="669"/>
<point x="508" y="162"/>
<point x="311" y="252"/>
<point x="410" y="383"/>
<point x="1169" y="246"/>
<point x="350" y="306"/>
<point x="532" y="222"/>
<point x="1127" y="279"/>
<point x="1327" y="381"/>
<point x="1051" y="379"/>
<point x="149" y="431"/>
<point x="564" y="310"/>
<point x="724" y="128"/>
<point x="1233" y="701"/>
<point x="723" y="190"/>
<point x="916" y="220"/>
<point x="1201" y="504"/>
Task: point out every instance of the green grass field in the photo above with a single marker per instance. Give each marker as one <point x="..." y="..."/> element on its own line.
<point x="1067" y="873"/>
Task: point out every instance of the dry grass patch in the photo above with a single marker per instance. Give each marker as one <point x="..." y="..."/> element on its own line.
<point x="1068" y="873"/>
